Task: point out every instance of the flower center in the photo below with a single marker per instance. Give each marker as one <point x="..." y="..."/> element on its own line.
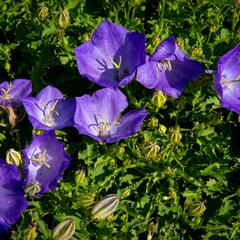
<point x="41" y="158"/>
<point x="164" y="65"/>
<point x="116" y="65"/>
<point x="226" y="83"/>
<point x="48" y="114"/>
<point x="5" y="93"/>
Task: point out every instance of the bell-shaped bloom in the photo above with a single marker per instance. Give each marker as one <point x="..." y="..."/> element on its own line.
<point x="99" y="116"/>
<point x="168" y="69"/>
<point x="44" y="162"/>
<point x="49" y="110"/>
<point x="12" y="201"/>
<point x="112" y="56"/>
<point x="227" y="79"/>
<point x="12" y="93"/>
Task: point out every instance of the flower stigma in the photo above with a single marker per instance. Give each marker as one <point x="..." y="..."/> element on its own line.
<point x="116" y="65"/>
<point x="163" y="65"/>
<point x="48" y="118"/>
<point x="40" y="158"/>
<point x="6" y="96"/>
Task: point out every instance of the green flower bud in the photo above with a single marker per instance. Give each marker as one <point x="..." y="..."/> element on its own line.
<point x="162" y="128"/>
<point x="197" y="52"/>
<point x="43" y="13"/>
<point x="105" y="207"/>
<point x="86" y="199"/>
<point x="153" y="122"/>
<point x="64" y="230"/>
<point x="196" y="209"/>
<point x="155" y="41"/>
<point x="4" y="7"/>
<point x="30" y="233"/>
<point x="80" y="177"/>
<point x="180" y="42"/>
<point x="32" y="188"/>
<point x="126" y="192"/>
<point x="158" y="99"/>
<point x="175" y="136"/>
<point x="13" y="157"/>
<point x="7" y="66"/>
<point x="151" y="150"/>
<point x="121" y="150"/>
<point x="136" y="3"/>
<point x="63" y="19"/>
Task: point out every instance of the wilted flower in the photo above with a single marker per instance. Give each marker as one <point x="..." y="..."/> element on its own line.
<point x="31" y="232"/>
<point x="43" y="13"/>
<point x="227" y="79"/>
<point x="12" y="93"/>
<point x="112" y="56"/>
<point x="12" y="200"/>
<point x="44" y="162"/>
<point x="99" y="116"/>
<point x="13" y="157"/>
<point x="64" y="230"/>
<point x="49" y="110"/>
<point x="168" y="69"/>
<point x="105" y="207"/>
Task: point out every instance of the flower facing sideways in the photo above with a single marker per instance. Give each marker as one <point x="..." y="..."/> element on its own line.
<point x="112" y="56"/>
<point x="227" y="79"/>
<point x="12" y="201"/>
<point x="99" y="116"/>
<point x="169" y="69"/>
<point x="44" y="162"/>
<point x="49" y="110"/>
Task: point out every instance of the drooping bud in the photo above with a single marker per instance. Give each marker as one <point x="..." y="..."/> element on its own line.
<point x="158" y="99"/>
<point x="64" y="230"/>
<point x="32" y="188"/>
<point x="196" y="209"/>
<point x="13" y="157"/>
<point x="175" y="136"/>
<point x="43" y="13"/>
<point x="63" y="19"/>
<point x="31" y="232"/>
<point x="153" y="122"/>
<point x="80" y="177"/>
<point x="105" y="207"/>
<point x="151" y="150"/>
<point x="86" y="199"/>
<point x="162" y="128"/>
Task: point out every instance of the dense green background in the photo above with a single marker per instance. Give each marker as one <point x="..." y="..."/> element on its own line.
<point x="188" y="190"/>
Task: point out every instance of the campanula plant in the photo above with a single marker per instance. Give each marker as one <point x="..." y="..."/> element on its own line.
<point x="99" y="116"/>
<point x="112" y="56"/>
<point x="44" y="162"/>
<point x="227" y="79"/>
<point x="12" y="200"/>
<point x="169" y="69"/>
<point x="49" y="110"/>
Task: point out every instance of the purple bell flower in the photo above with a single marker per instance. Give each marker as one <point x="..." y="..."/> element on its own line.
<point x="49" y="110"/>
<point x="44" y="162"/>
<point x="168" y="69"/>
<point x="12" y="201"/>
<point x="112" y="56"/>
<point x="227" y="79"/>
<point x="99" y="116"/>
<point x="12" y="93"/>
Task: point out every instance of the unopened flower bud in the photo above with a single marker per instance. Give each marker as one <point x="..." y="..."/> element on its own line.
<point x="86" y="199"/>
<point x="153" y="122"/>
<point x="32" y="188"/>
<point x="126" y="192"/>
<point x="121" y="150"/>
<point x="43" y="13"/>
<point x="155" y="41"/>
<point x="158" y="99"/>
<point x="162" y="128"/>
<point x="13" y="157"/>
<point x="30" y="233"/>
<point x="197" y="52"/>
<point x="136" y="3"/>
<point x="80" y="177"/>
<point x="64" y="230"/>
<point x="151" y="150"/>
<point x="197" y="209"/>
<point x="105" y="207"/>
<point x="175" y="136"/>
<point x="180" y="42"/>
<point x="7" y="66"/>
<point x="63" y="19"/>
